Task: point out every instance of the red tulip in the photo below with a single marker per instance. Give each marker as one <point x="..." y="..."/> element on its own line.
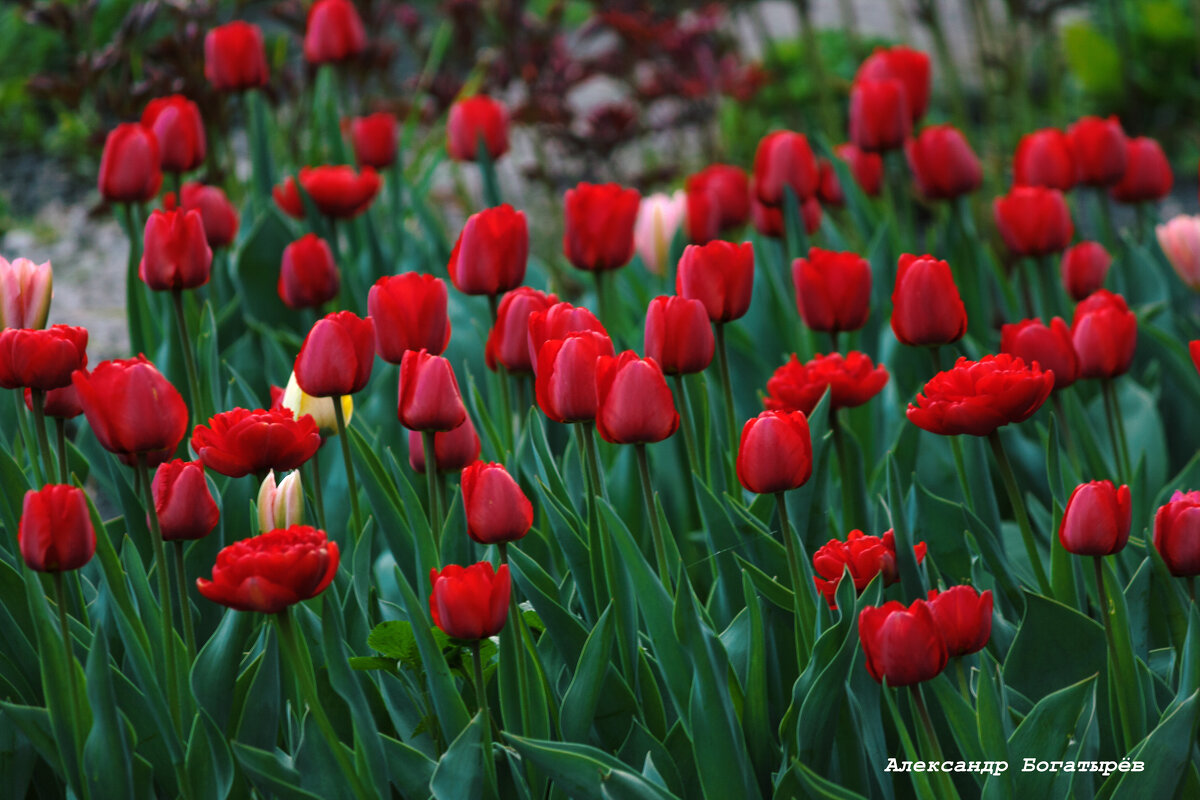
<point x="726" y="189"/>
<point x="910" y="67"/>
<point x="1096" y="520"/>
<point x="851" y="380"/>
<point x="129" y="166"/>
<point x="784" y="160"/>
<point x="1194" y="352"/>
<point x="768" y="220"/>
<point x="272" y="571"/>
<point x="25" y="291"/>
<point x="474" y="121"/>
<point x="1084" y="268"/>
<point x="556" y="322"/>
<point x="1050" y="347"/>
<point x="337" y="191"/>
<point x="903" y="645"/>
<point x="55" y="533"/>
<point x="599" y="226"/>
<point x="1177" y="534"/>
<point x="720" y="275"/>
<point x="308" y="278"/>
<point x="410" y="313"/>
<point x="926" y="306"/>
<point x="429" y="396"/>
<point x="1044" y="159"/>
<point x="879" y="115"/>
<point x="452" y="450"/>
<point x="374" y="138"/>
<point x="1033" y="220"/>
<point x="179" y="130"/>
<point x="701" y="219"/>
<point x="964" y="616"/>
<point x="1098" y="146"/>
<point x="218" y="214"/>
<point x="635" y="405"/>
<point x="566" y="375"/>
<point x="234" y="58"/>
<point x="943" y="163"/>
<point x="337" y="355"/>
<point x="471" y="602"/>
<point x="833" y="290"/>
<point x="496" y="508"/>
<point x="508" y="341"/>
<point x="977" y="397"/>
<point x="132" y="409"/>
<point x="241" y="442"/>
<point x="490" y="254"/>
<point x="60" y="403"/>
<point x="182" y="501"/>
<point x="334" y="33"/>
<point x="1104" y="331"/>
<point x="678" y="335"/>
<point x="775" y="452"/>
<point x="1147" y="173"/>
<point x="864" y="556"/>
<point x="43" y="359"/>
<point x="176" y="254"/>
<point x="866" y="169"/>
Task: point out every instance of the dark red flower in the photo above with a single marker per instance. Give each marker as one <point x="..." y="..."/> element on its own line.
<point x="833" y="290"/>
<point x="55" y="533"/>
<point x="471" y="602"/>
<point x="179" y="130"/>
<point x="1177" y="534"/>
<point x="775" y="452"/>
<point x="1147" y="173"/>
<point x="496" y="508"/>
<point x="508" y="341"/>
<point x="879" y="115"/>
<point x="719" y="274"/>
<point x="599" y="226"/>
<point x="977" y="397"/>
<point x="556" y="322"/>
<point x="61" y="403"/>
<point x="566" y="375"/>
<point x="182" y="501"/>
<point x="1048" y="346"/>
<point x="635" y="405"/>
<point x="910" y="67"/>
<point x="132" y="409"/>
<point x="903" y="645"/>
<point x="475" y="120"/>
<point x="943" y="163"/>
<point x="218" y="214"/>
<point x="851" y="380"/>
<point x="452" y="450"/>
<point x="1096" y="520"/>
<point x="964" y="616"/>
<point x="866" y="169"/>
<point x="130" y="170"/>
<point x="429" y="395"/>
<point x="308" y="278"/>
<point x="864" y="556"/>
<point x="1098" y="146"/>
<point x="784" y="160"/>
<point x="678" y="335"/>
<point x="374" y="139"/>
<point x="337" y="355"/>
<point x="1033" y="220"/>
<point x="490" y="254"/>
<point x="1044" y="159"/>
<point x="926" y="306"/>
<point x="175" y="254"/>
<point x="1084" y="268"/>
<point x="234" y="58"/>
<point x="339" y="192"/>
<point x="726" y="189"/>
<point x="272" y="571"/>
<point x="241" y="442"/>
<point x="334" y="33"/>
<point x="1104" y="331"/>
<point x="41" y="359"/>
<point x="410" y="313"/>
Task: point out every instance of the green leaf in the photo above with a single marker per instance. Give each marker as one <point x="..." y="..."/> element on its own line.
<point x="256" y="269"/>
<point x="459" y="772"/>
<point x="800" y="783"/>
<point x="1093" y="59"/>
<point x="410" y="770"/>
<point x="583" y="693"/>
<point x="583" y="771"/>
<point x="274" y="773"/>
<point x="1049" y="626"/>
<point x="210" y="770"/>
<point x="215" y="670"/>
<point x="1165" y="753"/>
<point x="107" y="759"/>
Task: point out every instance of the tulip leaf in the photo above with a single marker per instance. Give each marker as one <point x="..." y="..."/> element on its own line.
<point x="210" y="770"/>
<point x="410" y="769"/>
<point x="107" y="755"/>
<point x="584" y="772"/>
<point x="1165" y="754"/>
<point x="256" y="269"/>
<point x="459" y="772"/>
<point x="566" y="633"/>
<point x="1049" y="626"/>
<point x="274" y="773"/>
<point x="911" y="578"/>
<point x="1124" y="681"/>
<point x="214" y="672"/>
<point x="579" y="702"/>
<point x="800" y="781"/>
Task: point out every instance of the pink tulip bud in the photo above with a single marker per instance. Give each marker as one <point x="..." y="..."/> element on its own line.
<point x="1180" y="241"/>
<point x="282" y="505"/>
<point x="24" y="293"/>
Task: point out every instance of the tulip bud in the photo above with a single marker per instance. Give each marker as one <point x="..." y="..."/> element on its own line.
<point x="635" y="405"/>
<point x="176" y="254"/>
<point x="338" y="192"/>
<point x="476" y="120"/>
<point x="659" y="217"/>
<point x="334" y="33"/>
<point x="55" y="533"/>
<point x="1044" y="159"/>
<point x="726" y="190"/>
<point x="452" y="450"/>
<point x="720" y="275"/>
<point x="280" y="506"/>
<point x="1096" y="520"/>
<point x="1179" y="239"/>
<point x="508" y="341"/>
<point x="943" y="163"/>
<point x="879" y="115"/>
<point x="926" y="306"/>
<point x="678" y="335"/>
<point x="556" y="322"/>
<point x="132" y="409"/>
<point x="429" y="395"/>
<point x="1033" y="220"/>
<point x="1177" y="534"/>
<point x="234" y="58"/>
<point x="1050" y="347"/>
<point x="910" y="67"/>
<point x="783" y="161"/>
<point x="319" y="408"/>
<point x="374" y="139"/>
<point x="179" y="131"/>
<point x="59" y="403"/>
<point x="25" y="291"/>
<point x="1084" y="268"/>
<point x="775" y="452"/>
<point x="598" y="235"/>
<point x="496" y="509"/>
<point x="566" y="375"/>
<point x="308" y="278"/>
<point x="1147" y="173"/>
<point x="182" y="501"/>
<point x="218" y="214"/>
<point x="1104" y="332"/>
<point x="41" y="359"/>
<point x="410" y="313"/>
<point x="1098" y="146"/>
<point x="472" y="602"/>
<point x="866" y="169"/>
<point x="903" y="645"/>
<point x="130" y="170"/>
<point x="833" y="290"/>
<point x="490" y="254"/>
<point x="337" y="355"/>
<point x="964" y="617"/>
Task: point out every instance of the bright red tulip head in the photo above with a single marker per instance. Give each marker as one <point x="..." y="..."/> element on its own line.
<point x="219" y="216"/>
<point x="964" y="617"/>
<point x="1177" y="534"/>
<point x="179" y="130"/>
<point x="55" y="533"/>
<point x="472" y="602"/>
<point x="635" y="404"/>
<point x="1033" y="221"/>
<point x="452" y="450"/>
<point x="943" y="163"/>
<point x="910" y="67"/>
<point x="1044" y="158"/>
<point x="411" y="313"/>
<point x="496" y="508"/>
<point x="556" y="322"/>
<point x="977" y="397"/>
<point x="1104" y="332"/>
<point x="726" y="190"/>
<point x="833" y="290"/>
<point x="1098" y="146"/>
<point x="851" y="380"/>
<point x="679" y="336"/>
<point x="508" y="341"/>
<point x="339" y="192"/>
<point x="175" y="254"/>
<point x="133" y="410"/>
<point x="241" y="442"/>
<point x="374" y="139"/>
<point x="234" y="57"/>
<point x="476" y="122"/>
<point x="429" y="395"/>
<point x="130" y="170"/>
<point x="719" y="274"/>
<point x="783" y="161"/>
<point x="879" y="115"/>
<point x="308" y="278"/>
<point x="1049" y="346"/>
<point x="1084" y="268"/>
<point x="775" y="452"/>
<point x="272" y="571"/>
<point x="865" y="168"/>
<point x="926" y="306"/>
<point x="599" y="226"/>
<point x="864" y="556"/>
<point x="25" y="291"/>
<point x="1096" y="520"/>
<point x="1147" y="173"/>
<point x="337" y="355"/>
<point x="59" y="403"/>
<point x="182" y="501"/>
<point x="566" y="375"/>
<point x="490" y="254"/>
<point x="41" y="359"/>
<point x="902" y="645"/>
<point x="335" y="32"/>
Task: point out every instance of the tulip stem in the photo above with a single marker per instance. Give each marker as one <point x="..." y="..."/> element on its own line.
<point x="1014" y="498"/>
<point x="301" y="665"/>
<point x="38" y="401"/>
<point x="1115" y="679"/>
<point x="601" y="301"/>
<point x="946" y="784"/>
<point x="489" y="764"/>
<point x="199" y="412"/>
<point x="851" y="506"/>
<point x="518" y="628"/>
<point x="185" y="606"/>
<point x="435" y="511"/>
<point x="24" y="435"/>
<point x="964" y="685"/>
<point x="318" y="494"/>
<point x="505" y="391"/>
<point x="593" y="460"/>
<point x="350" y="482"/>
<point x="960" y="466"/>
<point x="64" y="469"/>
<point x="164" y="591"/>
<point x="1061" y="412"/>
<point x="804" y="611"/>
<point x="1117" y="423"/>
<point x="727" y="389"/>
<point x="78" y="710"/>
<point x="660" y="544"/>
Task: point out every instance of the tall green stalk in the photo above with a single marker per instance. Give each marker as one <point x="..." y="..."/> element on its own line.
<point x="1014" y="496"/>
<point x="352" y="485"/>
<point x="164" y="593"/>
<point x="199" y="407"/>
<point x="660" y="545"/>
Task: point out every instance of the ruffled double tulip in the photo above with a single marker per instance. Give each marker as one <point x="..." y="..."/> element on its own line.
<point x="280" y="505"/>
<point x="910" y="67"/>
<point x="1179" y="239"/>
<point x="926" y="306"/>
<point x="556" y="322"/>
<point x="1084" y="268"/>
<point x="865" y="168"/>
<point x="334" y="32"/>
<point x="321" y="409"/>
<point x="339" y="192"/>
<point x="775" y="452"/>
<point x="634" y="403"/>
<point x="1177" y="534"/>
<point x="25" y="290"/>
<point x="566" y="375"/>
<point x="784" y="160"/>
<point x="1044" y="158"/>
<point x="1104" y="332"/>
<point x="833" y="290"/>
<point x="508" y="341"/>
<point x="678" y="335"/>
<point x="219" y="216"/>
<point x="470" y="602"/>
<point x="308" y="278"/>
<point x="977" y="397"/>
<point x="410" y="313"/>
<point x="234" y="57"/>
<point x="242" y="442"/>
<point x="497" y="510"/>
<point x="943" y="163"/>
<point x="175" y="254"/>
<point x="452" y="450"/>
<point x="879" y="115"/>
<point x="1147" y="173"/>
<point x="41" y="359"/>
<point x="903" y="645"/>
<point x="337" y="355"/>
<point x="851" y="380"/>
<point x="429" y="396"/>
<point x="599" y="226"/>
<point x="133" y="410"/>
<point x="1098" y="146"/>
<point x="720" y="275"/>
<point x="179" y="131"/>
<point x="659" y="218"/>
<point x="864" y="556"/>
<point x="476" y="122"/>
<point x="1033" y="221"/>
<point x="1049" y="346"/>
<point x="964" y="616"/>
<point x="184" y="505"/>
<point x="490" y="254"/>
<point x="130" y="170"/>
<point x="723" y="191"/>
<point x="55" y="533"/>
<point x="271" y="572"/>
<point x="1096" y="520"/>
<point x="374" y="139"/>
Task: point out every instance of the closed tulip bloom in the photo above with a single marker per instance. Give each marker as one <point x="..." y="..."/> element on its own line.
<point x="566" y="375"/>
<point x="599" y="226"/>
<point x="410" y="313"/>
<point x="768" y="220"/>
<point x="866" y="169"/>
<point x="964" y="616"/>
<point x="926" y="306"/>
<point x="179" y="131"/>
<point x="1179" y="239"/>
<point x="271" y="572"/>
<point x="1044" y="159"/>
<point x="1050" y="346"/>
<point x="59" y="403"/>
<point x="241" y="442"/>
<point x="1147" y="173"/>
<point x="910" y="67"/>
<point x="1194" y="352"/>
<point x="429" y="395"/>
<point x="702" y="218"/>
<point x="182" y="501"/>
<point x="374" y="139"/>
<point x="833" y="290"/>
<point x="219" y="216"/>
<point x="490" y="254"/>
<point x="337" y="355"/>
<point x="130" y="170"/>
<point x="943" y="163"/>
<point x="334" y="33"/>
<point x="1177" y="534"/>
<point x="339" y="192"/>
<point x="175" y="255"/>
<point x="41" y="359"/>
<point x="300" y="403"/>
<point x="452" y="450"/>
<point x="1033" y="221"/>
<point x="1098" y="146"/>
<point x="508" y="341"/>
<point x="851" y="380"/>
<point x="864" y="556"/>
<point x="879" y="115"/>
<point x="476" y="120"/>
<point x="496" y="509"/>
<point x="782" y="161"/>
<point x="903" y="645"/>
<point x="720" y="275"/>
<point x="727" y="190"/>
<point x="775" y="452"/>
<point x="635" y="404"/>
<point x="234" y="57"/>
<point x="678" y="335"/>
<point x="132" y="409"/>
<point x="977" y="397"/>
<point x="55" y="533"/>
<point x="659" y="217"/>
<point x="280" y="505"/>
<point x="556" y="322"/>
<point x="471" y="602"/>
<point x="1104" y="331"/>
<point x="25" y="291"/>
<point x="1096" y="520"/>
<point x="308" y="278"/>
<point x="1084" y="268"/>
